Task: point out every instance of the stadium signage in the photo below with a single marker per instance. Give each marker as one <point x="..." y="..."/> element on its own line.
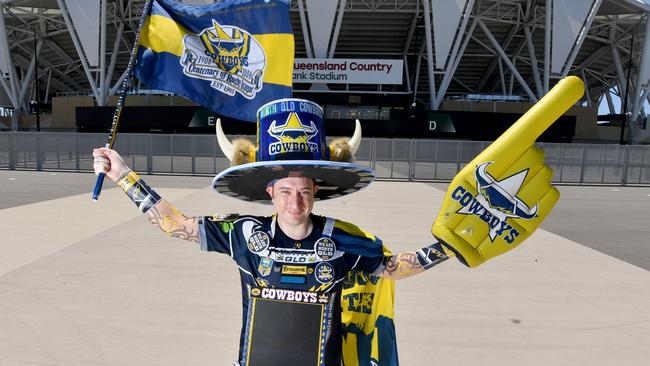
<point x="347" y="71"/>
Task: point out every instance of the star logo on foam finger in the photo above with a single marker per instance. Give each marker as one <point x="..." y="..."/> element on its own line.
<point x="497" y="201"/>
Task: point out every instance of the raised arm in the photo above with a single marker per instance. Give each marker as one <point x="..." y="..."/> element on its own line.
<point x="408" y="264"/>
<point x="159" y="212"/>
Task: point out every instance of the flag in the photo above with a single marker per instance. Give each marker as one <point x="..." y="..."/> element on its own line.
<point x="369" y="337"/>
<point x="230" y="57"/>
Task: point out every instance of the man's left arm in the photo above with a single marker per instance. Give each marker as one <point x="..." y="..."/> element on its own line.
<point x="411" y="263"/>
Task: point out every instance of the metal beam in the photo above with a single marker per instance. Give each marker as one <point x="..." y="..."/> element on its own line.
<point x="27" y="79"/>
<point x="429" y="44"/>
<point x="337" y="28"/>
<point x="453" y="65"/>
<point x="493" y="64"/>
<point x="12" y="90"/>
<point x="505" y="59"/>
<point x="80" y="52"/>
<point x="547" y="44"/>
<point x="414" y="24"/>
<point x="116" y="48"/>
<point x="305" y="31"/>
<point x="533" y="62"/>
<point x="643" y="71"/>
<point x="581" y="37"/>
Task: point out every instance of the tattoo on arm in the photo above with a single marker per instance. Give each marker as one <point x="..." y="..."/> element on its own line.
<point x="411" y="263"/>
<point x="401" y="266"/>
<point x="170" y="220"/>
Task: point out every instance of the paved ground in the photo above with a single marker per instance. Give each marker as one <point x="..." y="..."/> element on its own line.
<point x="94" y="284"/>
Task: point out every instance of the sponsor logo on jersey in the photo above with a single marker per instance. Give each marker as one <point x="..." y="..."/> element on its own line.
<point x="324" y="272"/>
<point x="293" y="136"/>
<point x="265" y="266"/>
<point x="325" y="248"/>
<point x="297" y="256"/>
<point x="294" y="270"/>
<point x="288" y="295"/>
<point x="496" y="202"/>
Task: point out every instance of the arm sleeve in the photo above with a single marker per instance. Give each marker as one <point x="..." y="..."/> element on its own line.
<point x="364" y="252"/>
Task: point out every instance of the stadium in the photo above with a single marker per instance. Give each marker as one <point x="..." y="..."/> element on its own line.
<point x="432" y="83"/>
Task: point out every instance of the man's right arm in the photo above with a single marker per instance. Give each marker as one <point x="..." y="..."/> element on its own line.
<point x="159" y="212"/>
<point x="173" y="223"/>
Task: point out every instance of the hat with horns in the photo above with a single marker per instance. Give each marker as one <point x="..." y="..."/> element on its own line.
<point x="290" y="143"/>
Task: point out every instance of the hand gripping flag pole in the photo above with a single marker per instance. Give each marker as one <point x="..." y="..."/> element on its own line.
<point x="120" y="102"/>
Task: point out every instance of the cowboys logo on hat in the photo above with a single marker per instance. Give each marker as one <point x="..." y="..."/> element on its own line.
<point x="290" y="143"/>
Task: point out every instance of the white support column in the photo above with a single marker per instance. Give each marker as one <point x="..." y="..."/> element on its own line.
<point x="118" y="83"/>
<point x="80" y="52"/>
<point x="533" y="62"/>
<point x="584" y="81"/>
<point x="427" y="33"/>
<point x="337" y="28"/>
<point x="27" y="79"/>
<point x="407" y="73"/>
<point x="505" y="59"/>
<point x="620" y="74"/>
<point x="111" y="66"/>
<point x="502" y="77"/>
<point x="47" y="86"/>
<point x="305" y="31"/>
<point x="644" y="72"/>
<point x="102" y="55"/>
<point x="581" y="37"/>
<point x="449" y="73"/>
<point x="547" y="44"/>
<point x="643" y="90"/>
<point x="610" y="102"/>
<point x="12" y="86"/>
<point x="418" y="64"/>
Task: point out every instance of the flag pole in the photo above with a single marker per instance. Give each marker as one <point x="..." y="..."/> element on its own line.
<point x="120" y="102"/>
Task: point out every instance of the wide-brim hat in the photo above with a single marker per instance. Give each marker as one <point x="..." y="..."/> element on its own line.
<point x="290" y="143"/>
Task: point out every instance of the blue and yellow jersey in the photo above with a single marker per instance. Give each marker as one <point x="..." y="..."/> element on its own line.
<point x="313" y="301"/>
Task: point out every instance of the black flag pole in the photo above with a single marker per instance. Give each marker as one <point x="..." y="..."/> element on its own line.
<point x="120" y="102"/>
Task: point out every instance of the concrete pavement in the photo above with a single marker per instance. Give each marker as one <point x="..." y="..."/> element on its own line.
<point x="95" y="284"/>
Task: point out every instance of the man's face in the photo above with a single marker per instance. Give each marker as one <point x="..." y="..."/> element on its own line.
<point x="293" y="199"/>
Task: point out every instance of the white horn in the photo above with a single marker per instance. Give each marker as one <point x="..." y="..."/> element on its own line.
<point x="355" y="141"/>
<point x="224" y="143"/>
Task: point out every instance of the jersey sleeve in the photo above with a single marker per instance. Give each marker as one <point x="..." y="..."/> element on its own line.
<point x="216" y="234"/>
<point x="364" y="252"/>
<point x="228" y="234"/>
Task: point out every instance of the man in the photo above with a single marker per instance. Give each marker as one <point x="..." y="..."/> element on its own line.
<point x="298" y="270"/>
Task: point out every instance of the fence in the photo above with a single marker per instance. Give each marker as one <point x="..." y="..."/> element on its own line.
<point x="399" y="159"/>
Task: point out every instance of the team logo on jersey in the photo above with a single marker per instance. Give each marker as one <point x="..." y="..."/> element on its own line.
<point x="325" y="248"/>
<point x="229" y="57"/>
<point x="293" y="136"/>
<point x="324" y="272"/>
<point x="496" y="202"/>
<point x="258" y="241"/>
<point x="265" y="266"/>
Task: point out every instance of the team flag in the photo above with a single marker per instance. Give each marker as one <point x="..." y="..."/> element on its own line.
<point x="230" y="57"/>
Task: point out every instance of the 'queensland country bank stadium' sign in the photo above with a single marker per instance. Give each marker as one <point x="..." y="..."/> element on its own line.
<point x="347" y="71"/>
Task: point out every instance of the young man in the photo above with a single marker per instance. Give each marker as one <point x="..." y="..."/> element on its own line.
<point x="299" y="272"/>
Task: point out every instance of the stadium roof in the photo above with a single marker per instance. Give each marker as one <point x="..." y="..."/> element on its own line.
<point x="498" y="46"/>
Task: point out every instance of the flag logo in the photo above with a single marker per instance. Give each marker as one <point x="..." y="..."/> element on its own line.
<point x="229" y="57"/>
